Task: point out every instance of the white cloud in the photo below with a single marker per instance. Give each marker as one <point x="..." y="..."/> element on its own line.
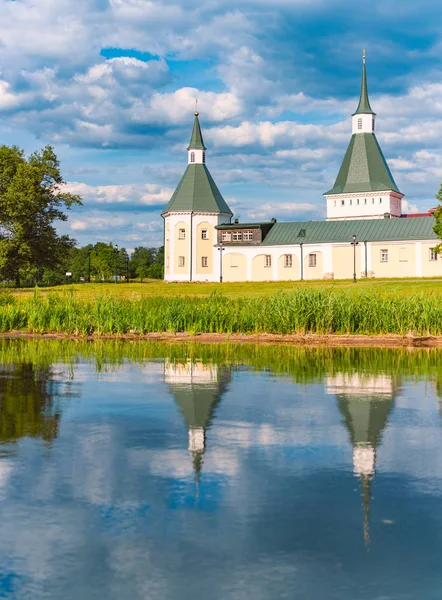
<point x="131" y="194"/>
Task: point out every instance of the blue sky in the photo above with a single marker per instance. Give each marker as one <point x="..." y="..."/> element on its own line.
<point x="112" y="85"/>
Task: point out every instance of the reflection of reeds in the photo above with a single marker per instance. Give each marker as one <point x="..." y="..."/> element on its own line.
<point x="303" y="364"/>
<point x="305" y="310"/>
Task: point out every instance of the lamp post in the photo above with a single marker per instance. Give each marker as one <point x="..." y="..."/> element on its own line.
<point x="116" y="262"/>
<point x="354" y="243"/>
<point x="221" y="250"/>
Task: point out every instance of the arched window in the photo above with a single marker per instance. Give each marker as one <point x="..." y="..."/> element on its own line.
<point x="359" y="123"/>
<point x="192" y="157"/>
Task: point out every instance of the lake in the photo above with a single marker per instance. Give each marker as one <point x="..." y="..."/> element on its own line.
<point x="173" y="471"/>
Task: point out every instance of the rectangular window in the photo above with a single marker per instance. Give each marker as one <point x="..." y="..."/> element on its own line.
<point x="247" y="236"/>
<point x="380" y="200"/>
<point x="351" y="202"/>
<point x="181" y="261"/>
<point x="372" y="123"/>
<point x="365" y="200"/>
<point x="226" y="236"/>
<point x="359" y="123"/>
<point x="433" y="254"/>
<point x="204" y="261"/>
<point x="182" y="234"/>
<point x="288" y="261"/>
<point x="403" y="254"/>
<point x="237" y="236"/>
<point x="204" y="234"/>
<point x="334" y="202"/>
<point x="342" y="202"/>
<point x="268" y="260"/>
<point x="384" y="255"/>
<point x="312" y="260"/>
<point x="357" y="201"/>
<point x="372" y="200"/>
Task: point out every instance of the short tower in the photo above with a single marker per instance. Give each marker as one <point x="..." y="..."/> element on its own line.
<point x="364" y="187"/>
<point x="190" y="218"/>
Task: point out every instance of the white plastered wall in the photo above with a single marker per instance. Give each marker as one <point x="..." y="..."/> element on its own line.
<point x="367" y="205"/>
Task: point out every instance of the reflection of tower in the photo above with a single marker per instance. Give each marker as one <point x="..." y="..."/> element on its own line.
<point x="197" y="389"/>
<point x="365" y="403"/>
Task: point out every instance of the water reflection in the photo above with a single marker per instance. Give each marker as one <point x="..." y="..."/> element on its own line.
<point x="28" y="403"/>
<point x="197" y="389"/>
<point x="365" y="403"/>
<point x="286" y="449"/>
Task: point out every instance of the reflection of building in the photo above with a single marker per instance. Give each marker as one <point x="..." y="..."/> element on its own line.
<point x="365" y="403"/>
<point x="197" y="389"/>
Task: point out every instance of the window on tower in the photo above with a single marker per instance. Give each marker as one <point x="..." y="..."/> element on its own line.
<point x="342" y="202"/>
<point x="204" y="158"/>
<point x="359" y="123"/>
<point x="192" y="157"/>
<point x="372" y="124"/>
<point x="182" y="234"/>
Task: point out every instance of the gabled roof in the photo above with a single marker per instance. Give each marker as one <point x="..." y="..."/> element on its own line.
<point x="370" y="230"/>
<point x="364" y="168"/>
<point x="196" y="140"/>
<point x="197" y="192"/>
<point x="364" y="103"/>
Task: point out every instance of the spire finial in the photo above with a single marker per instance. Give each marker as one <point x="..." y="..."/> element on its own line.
<point x="364" y="56"/>
<point x="196" y="108"/>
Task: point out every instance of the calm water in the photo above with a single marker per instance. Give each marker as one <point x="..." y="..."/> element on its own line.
<point x="156" y="472"/>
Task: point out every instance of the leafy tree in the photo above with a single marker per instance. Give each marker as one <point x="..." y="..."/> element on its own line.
<point x="31" y="200"/>
<point x="438" y="217"/>
<point x="141" y="260"/>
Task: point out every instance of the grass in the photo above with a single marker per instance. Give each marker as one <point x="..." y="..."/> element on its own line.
<point x="262" y="289"/>
<point x="305" y="309"/>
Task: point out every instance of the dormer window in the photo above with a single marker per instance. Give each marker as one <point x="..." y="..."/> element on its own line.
<point x="192" y="157"/>
<point x="359" y="123"/>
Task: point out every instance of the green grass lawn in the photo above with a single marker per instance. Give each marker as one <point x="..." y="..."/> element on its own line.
<point x="135" y="291"/>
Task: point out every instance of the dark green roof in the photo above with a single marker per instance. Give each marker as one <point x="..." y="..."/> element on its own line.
<point x="370" y="230"/>
<point x="364" y="168"/>
<point x="197" y="192"/>
<point x="196" y="141"/>
<point x="364" y="103"/>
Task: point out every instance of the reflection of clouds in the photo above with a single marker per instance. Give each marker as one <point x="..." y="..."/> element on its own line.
<point x="360" y="383"/>
<point x="6" y="468"/>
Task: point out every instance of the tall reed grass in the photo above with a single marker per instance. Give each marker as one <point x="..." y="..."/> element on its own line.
<point x="303" y="311"/>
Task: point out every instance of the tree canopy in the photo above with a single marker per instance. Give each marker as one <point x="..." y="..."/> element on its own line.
<point x="32" y="199"/>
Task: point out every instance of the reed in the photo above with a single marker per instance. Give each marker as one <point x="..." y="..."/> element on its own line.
<point x="303" y="311"/>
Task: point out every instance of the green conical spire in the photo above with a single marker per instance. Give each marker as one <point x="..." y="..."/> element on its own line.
<point x="196" y="141"/>
<point x="364" y="103"/>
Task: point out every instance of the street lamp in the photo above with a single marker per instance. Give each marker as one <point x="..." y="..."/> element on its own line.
<point x="354" y="243"/>
<point x="221" y="250"/>
<point x="116" y="263"/>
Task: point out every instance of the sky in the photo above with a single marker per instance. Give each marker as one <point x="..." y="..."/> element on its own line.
<point x="112" y="84"/>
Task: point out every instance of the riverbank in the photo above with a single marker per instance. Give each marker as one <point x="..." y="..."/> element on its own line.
<point x="302" y="314"/>
<point x="310" y="340"/>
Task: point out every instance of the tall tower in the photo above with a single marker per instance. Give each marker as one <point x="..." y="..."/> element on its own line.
<point x="190" y="218"/>
<point x="364" y="187"/>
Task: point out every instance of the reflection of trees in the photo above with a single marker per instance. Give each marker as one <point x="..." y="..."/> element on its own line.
<point x="197" y="389"/>
<point x="365" y="404"/>
<point x="27" y="407"/>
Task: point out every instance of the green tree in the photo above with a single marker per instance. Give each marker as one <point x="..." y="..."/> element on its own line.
<point x="141" y="260"/>
<point x="31" y="201"/>
<point x="438" y="217"/>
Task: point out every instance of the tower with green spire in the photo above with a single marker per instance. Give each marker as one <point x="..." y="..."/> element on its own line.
<point x="195" y="209"/>
<point x="364" y="187"/>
